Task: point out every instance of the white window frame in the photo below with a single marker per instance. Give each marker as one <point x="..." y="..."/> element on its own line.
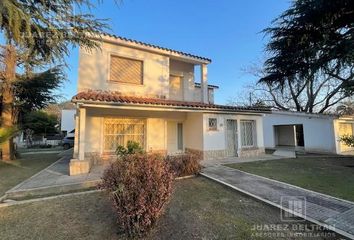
<point x="254" y="131"/>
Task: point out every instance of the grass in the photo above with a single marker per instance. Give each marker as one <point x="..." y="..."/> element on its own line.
<point x="199" y="209"/>
<point x="16" y="171"/>
<point x="329" y="175"/>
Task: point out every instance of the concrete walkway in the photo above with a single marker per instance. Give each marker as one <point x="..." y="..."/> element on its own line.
<point x="230" y="160"/>
<point x="55" y="180"/>
<point x="321" y="209"/>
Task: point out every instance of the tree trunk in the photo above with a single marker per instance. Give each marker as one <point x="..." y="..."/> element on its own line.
<point x="7" y="118"/>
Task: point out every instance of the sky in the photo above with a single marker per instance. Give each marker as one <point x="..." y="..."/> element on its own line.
<point x="227" y="31"/>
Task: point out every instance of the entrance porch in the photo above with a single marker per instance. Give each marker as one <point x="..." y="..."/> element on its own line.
<point x="101" y="130"/>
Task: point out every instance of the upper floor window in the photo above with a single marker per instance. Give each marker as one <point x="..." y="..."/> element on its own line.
<point x="125" y="70"/>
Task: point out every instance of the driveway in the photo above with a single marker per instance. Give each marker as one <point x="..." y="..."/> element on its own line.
<point x="324" y="210"/>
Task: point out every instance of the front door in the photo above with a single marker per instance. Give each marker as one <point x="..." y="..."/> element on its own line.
<point x="174" y="137"/>
<point x="231" y="137"/>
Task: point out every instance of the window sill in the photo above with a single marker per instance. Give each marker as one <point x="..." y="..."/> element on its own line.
<point x="125" y="83"/>
<point x="249" y="147"/>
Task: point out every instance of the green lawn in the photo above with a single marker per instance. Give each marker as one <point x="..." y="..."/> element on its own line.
<point x="329" y="175"/>
<point x="18" y="170"/>
<point x="199" y="209"/>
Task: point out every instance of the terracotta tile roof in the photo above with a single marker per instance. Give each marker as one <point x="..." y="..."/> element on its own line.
<point x="117" y="98"/>
<point x="155" y="46"/>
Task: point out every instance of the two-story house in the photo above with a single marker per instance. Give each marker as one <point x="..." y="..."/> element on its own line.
<point x="130" y="90"/>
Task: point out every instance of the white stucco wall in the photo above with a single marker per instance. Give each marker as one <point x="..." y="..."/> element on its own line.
<point x="318" y="130"/>
<point x="196" y="134"/>
<point x="193" y="131"/>
<point x="186" y="72"/>
<point x="216" y="140"/>
<point x="67" y="120"/>
<point x="94" y="71"/>
<point x="156" y="126"/>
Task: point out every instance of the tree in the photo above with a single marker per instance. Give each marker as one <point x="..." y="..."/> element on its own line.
<point x="346" y="108"/>
<point x="40" y="122"/>
<point x="36" y="91"/>
<point x="39" y="32"/>
<point x="312" y="53"/>
<point x="292" y="95"/>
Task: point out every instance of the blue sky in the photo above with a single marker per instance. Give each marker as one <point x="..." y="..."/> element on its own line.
<point x="227" y="31"/>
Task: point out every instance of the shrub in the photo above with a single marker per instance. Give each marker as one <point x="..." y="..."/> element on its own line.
<point x="347" y="140"/>
<point x="140" y="185"/>
<point x="132" y="148"/>
<point x="185" y="164"/>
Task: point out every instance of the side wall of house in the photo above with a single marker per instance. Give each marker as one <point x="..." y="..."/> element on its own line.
<point x="67" y="120"/>
<point x="186" y="72"/>
<point x="193" y="132"/>
<point x="94" y="70"/>
<point x="318" y="131"/>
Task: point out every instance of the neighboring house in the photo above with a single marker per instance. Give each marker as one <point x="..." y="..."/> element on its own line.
<point x="67" y="119"/>
<point x="130" y="90"/>
<point x="307" y="132"/>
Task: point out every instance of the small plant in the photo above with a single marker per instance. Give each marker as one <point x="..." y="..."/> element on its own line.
<point x="347" y="140"/>
<point x="185" y="164"/>
<point x="132" y="148"/>
<point x="140" y="185"/>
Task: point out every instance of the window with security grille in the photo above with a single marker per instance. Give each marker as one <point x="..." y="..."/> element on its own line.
<point x="213" y="124"/>
<point x="125" y="70"/>
<point x="248" y="133"/>
<point x="118" y="131"/>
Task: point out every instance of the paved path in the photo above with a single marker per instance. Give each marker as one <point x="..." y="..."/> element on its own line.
<point x="320" y="209"/>
<point x="55" y="179"/>
<point x="229" y="160"/>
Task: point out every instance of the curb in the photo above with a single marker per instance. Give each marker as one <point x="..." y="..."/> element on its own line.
<point x="13" y="203"/>
<point x="290" y="185"/>
<point x="45" y="191"/>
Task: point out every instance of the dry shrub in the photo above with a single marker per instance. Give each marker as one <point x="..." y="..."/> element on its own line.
<point x="185" y="164"/>
<point x="140" y="185"/>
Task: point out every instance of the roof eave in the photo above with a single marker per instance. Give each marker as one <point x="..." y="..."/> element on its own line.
<point x="164" y="107"/>
<point x="116" y="40"/>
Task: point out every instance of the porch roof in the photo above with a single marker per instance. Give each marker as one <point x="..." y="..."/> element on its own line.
<point x="116" y="98"/>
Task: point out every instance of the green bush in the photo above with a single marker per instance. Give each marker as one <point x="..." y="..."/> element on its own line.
<point x="347" y="140"/>
<point x="132" y="148"/>
<point x="140" y="185"/>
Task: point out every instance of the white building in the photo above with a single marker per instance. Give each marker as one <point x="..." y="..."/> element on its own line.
<point x="67" y="120"/>
<point x="130" y="90"/>
<point x="308" y="132"/>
